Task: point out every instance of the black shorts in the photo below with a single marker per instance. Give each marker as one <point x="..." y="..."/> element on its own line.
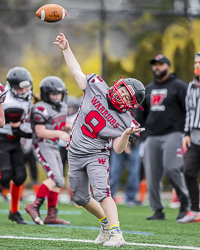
<point x="192" y="161"/>
<point x="10" y="154"/>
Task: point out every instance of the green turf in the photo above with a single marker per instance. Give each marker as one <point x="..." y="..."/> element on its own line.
<point x="167" y="232"/>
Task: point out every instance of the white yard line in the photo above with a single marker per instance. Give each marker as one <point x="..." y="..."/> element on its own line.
<point x="91" y="241"/>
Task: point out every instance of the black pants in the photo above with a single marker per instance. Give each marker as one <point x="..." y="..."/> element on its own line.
<point x="11" y="162"/>
<point x="191" y="171"/>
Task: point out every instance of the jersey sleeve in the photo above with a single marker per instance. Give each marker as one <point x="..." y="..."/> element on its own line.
<point x="93" y="78"/>
<point x="39" y="115"/>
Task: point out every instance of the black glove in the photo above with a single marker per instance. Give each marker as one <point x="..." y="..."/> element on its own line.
<point x="20" y="133"/>
<point x="132" y="138"/>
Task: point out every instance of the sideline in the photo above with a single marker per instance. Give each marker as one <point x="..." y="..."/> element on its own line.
<point x="91" y="241"/>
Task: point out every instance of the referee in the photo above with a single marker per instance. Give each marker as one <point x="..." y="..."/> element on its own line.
<point x="191" y="143"/>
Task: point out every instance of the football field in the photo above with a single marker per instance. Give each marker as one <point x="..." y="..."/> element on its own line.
<point x="138" y="232"/>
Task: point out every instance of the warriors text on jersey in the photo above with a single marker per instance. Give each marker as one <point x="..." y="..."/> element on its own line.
<point x="97" y="122"/>
<point x="16" y="109"/>
<point x="44" y="114"/>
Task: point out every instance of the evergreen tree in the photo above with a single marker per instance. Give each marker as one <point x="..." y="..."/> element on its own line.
<point x="188" y="60"/>
<point x="142" y="69"/>
<point x="113" y="71"/>
<point x="178" y="63"/>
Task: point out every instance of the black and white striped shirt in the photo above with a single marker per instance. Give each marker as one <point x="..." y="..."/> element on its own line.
<point x="192" y="102"/>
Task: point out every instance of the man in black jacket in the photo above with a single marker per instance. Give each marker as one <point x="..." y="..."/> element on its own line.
<point x="163" y="117"/>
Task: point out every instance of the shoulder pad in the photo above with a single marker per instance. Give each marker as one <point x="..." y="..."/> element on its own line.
<point x="89" y="76"/>
<point x="134" y="123"/>
<point x="41" y="110"/>
<point x="39" y="114"/>
<point x="38" y="118"/>
<point x="94" y="78"/>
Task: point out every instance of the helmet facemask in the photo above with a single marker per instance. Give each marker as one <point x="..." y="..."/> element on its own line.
<point x="118" y="101"/>
<point x="57" y="102"/>
<point x="24" y="95"/>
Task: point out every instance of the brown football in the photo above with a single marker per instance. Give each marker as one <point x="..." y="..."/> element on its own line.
<point x="51" y="13"/>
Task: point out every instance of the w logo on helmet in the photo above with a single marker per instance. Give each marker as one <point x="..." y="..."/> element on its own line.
<point x="102" y="161"/>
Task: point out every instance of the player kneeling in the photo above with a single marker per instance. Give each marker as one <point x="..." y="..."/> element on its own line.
<point x="48" y="123"/>
<point x="104" y="115"/>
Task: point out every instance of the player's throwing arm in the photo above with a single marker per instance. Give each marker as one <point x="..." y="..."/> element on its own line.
<point x="71" y="61"/>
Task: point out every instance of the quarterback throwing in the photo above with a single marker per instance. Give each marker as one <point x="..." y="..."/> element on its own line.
<point x="105" y="114"/>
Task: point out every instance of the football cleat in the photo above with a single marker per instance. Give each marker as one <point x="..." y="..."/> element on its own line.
<point x="17" y="218"/>
<point x="103" y="235"/>
<point x="158" y="215"/>
<point x="34" y="213"/>
<point x="191" y="216"/>
<point x="51" y="217"/>
<point x="115" y="239"/>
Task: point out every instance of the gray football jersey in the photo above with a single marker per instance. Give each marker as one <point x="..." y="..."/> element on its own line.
<point x="43" y="113"/>
<point x="15" y="109"/>
<point x="96" y="123"/>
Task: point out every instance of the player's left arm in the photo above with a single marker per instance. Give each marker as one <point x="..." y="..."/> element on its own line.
<point x="120" y="143"/>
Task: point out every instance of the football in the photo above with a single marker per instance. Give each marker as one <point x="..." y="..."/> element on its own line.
<point x="51" y="13"/>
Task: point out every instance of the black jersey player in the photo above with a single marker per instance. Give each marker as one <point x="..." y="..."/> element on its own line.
<point x="18" y="86"/>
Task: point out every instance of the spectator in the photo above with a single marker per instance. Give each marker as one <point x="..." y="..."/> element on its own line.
<point x="191" y="143"/>
<point x="130" y="158"/>
<point x="163" y="117"/>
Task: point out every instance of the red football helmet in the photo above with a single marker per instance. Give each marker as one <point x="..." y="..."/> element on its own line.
<point x="134" y="87"/>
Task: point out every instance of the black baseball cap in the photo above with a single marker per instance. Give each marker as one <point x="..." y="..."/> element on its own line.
<point x="161" y="59"/>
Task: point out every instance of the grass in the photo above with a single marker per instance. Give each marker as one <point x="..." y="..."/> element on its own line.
<point x="167" y="232"/>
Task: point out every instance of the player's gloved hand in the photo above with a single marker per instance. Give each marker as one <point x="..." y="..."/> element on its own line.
<point x="2" y="93"/>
